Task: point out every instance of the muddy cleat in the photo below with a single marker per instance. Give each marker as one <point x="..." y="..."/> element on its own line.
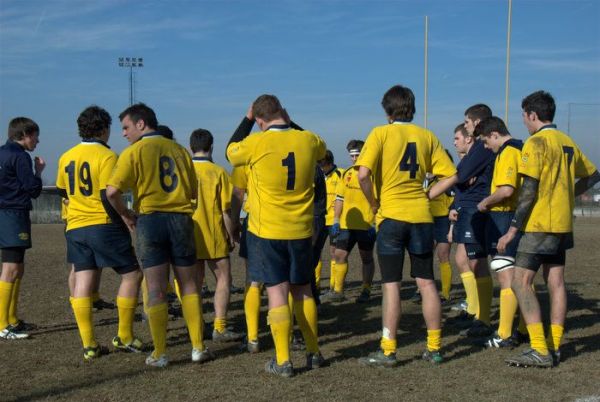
<point x="226" y="336"/>
<point x="135" y="346"/>
<point x="160" y="362"/>
<point x="379" y="359"/>
<point x="555" y="357"/>
<point x="297" y="343"/>
<point x="285" y="370"/>
<point x="202" y="356"/>
<point x="235" y="290"/>
<point x="94" y="352"/>
<point x="9" y="334"/>
<point x="530" y="358"/>
<point x="22" y="326"/>
<point x="477" y="330"/>
<point x="495" y="341"/>
<point x="175" y="311"/>
<point x="336" y="297"/>
<point x="253" y="346"/>
<point x="434" y="357"/>
<point x="364" y="296"/>
<point x="101" y="304"/>
<point x="445" y="302"/>
<point x="314" y="360"/>
<point x="460" y="306"/>
<point x="416" y="298"/>
<point x="518" y="338"/>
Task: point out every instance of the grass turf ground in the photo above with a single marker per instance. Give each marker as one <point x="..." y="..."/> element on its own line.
<point x="49" y="366"/>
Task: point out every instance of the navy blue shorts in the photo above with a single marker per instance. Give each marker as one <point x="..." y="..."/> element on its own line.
<point x="393" y="238"/>
<point x="276" y="261"/>
<point x="441" y="227"/>
<point x="16" y="228"/>
<point x="99" y="246"/>
<point x="347" y="238"/>
<point x="470" y="230"/>
<point x="243" y="246"/>
<point x="164" y="237"/>
<point x="498" y="224"/>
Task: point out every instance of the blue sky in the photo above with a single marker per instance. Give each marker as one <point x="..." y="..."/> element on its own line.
<point x="328" y="61"/>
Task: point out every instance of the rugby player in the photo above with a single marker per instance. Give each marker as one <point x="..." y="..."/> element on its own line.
<point x="281" y="162"/>
<point x="160" y="174"/>
<point x="550" y="162"/>
<point x="396" y="158"/>
<point x="96" y="236"/>
<point x="18" y="185"/>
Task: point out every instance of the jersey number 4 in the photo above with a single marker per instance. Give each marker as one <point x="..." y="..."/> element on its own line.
<point x="408" y="163"/>
<point x="290" y="163"/>
<point x="85" y="178"/>
<point x="168" y="178"/>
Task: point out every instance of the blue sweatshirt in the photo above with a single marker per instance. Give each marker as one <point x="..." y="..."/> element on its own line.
<point x="478" y="163"/>
<point x="18" y="184"/>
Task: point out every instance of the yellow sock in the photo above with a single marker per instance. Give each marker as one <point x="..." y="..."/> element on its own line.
<point x="157" y="319"/>
<point x="126" y="306"/>
<point x="306" y="316"/>
<point x="434" y="340"/>
<point x="177" y="291"/>
<point x="318" y="274"/>
<point x="192" y="314"/>
<point x="220" y="324"/>
<point x="388" y="346"/>
<point x="446" y="278"/>
<point x="341" y="269"/>
<point x="536" y="337"/>
<point x="95" y="297"/>
<point x="485" y="292"/>
<point x="5" y="296"/>
<point x="279" y="321"/>
<point x="508" y="309"/>
<point x="71" y="300"/>
<point x="468" y="280"/>
<point x="252" y="311"/>
<point x="82" y="308"/>
<point x="14" y="300"/>
<point x="145" y="295"/>
<point x="555" y="336"/>
<point x="332" y="272"/>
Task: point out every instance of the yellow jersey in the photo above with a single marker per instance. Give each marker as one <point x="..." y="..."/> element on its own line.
<point x="160" y="174"/>
<point x="281" y="163"/>
<point x="214" y="198"/>
<point x="356" y="213"/>
<point x="239" y="179"/>
<point x="506" y="173"/>
<point x="553" y="158"/>
<point x="440" y="206"/>
<point x="331" y="181"/>
<point x="399" y="155"/>
<point x="83" y="172"/>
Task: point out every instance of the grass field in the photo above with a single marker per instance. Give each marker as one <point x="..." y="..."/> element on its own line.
<point x="49" y="366"/>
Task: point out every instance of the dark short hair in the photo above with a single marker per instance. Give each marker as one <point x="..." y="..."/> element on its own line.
<point x="399" y="103"/>
<point x="489" y="125"/>
<point x="201" y="140"/>
<point x="355" y="144"/>
<point x="461" y="129"/>
<point x="138" y="112"/>
<point x="540" y="102"/>
<point x="165" y="131"/>
<point x="93" y="121"/>
<point x="478" y="112"/>
<point x="267" y="107"/>
<point x="19" y="127"/>
<point x="328" y="157"/>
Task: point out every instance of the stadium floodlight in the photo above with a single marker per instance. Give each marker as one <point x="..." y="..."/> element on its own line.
<point x="131" y="62"/>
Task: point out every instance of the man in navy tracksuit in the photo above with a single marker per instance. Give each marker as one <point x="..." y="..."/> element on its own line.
<point x="18" y="185"/>
<point x="474" y="177"/>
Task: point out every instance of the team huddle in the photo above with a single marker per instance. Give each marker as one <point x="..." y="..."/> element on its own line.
<point x="507" y="205"/>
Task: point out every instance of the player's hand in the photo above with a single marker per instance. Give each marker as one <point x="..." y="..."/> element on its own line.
<point x="504" y="241"/>
<point x="39" y="164"/>
<point x="453" y="215"/>
<point x="130" y="221"/>
<point x="236" y="231"/>
<point x="334" y="231"/>
<point x="249" y="114"/>
<point x="482" y="206"/>
<point x="375" y="207"/>
<point x="472" y="180"/>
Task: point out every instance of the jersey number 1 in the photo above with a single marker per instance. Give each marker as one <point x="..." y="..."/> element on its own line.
<point x="290" y="163"/>
<point x="409" y="160"/>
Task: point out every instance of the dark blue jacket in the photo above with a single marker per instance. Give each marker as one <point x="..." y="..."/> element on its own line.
<point x="18" y="184"/>
<point x="478" y="163"/>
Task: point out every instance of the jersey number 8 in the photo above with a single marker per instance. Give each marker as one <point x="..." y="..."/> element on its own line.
<point x="168" y="178"/>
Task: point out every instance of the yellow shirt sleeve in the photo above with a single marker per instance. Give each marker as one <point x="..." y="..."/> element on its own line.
<point x="441" y="164"/>
<point x="226" y="190"/>
<point x="239" y="178"/>
<point x="60" y="182"/>
<point x="370" y="153"/>
<point x="507" y="168"/>
<point x="239" y="153"/>
<point x="532" y="157"/>
<point x="106" y="170"/>
<point x="122" y="175"/>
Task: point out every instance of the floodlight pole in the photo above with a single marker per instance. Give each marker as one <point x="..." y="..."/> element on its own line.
<point x="507" y="79"/>
<point x="426" y="70"/>
<point x="131" y="62"/>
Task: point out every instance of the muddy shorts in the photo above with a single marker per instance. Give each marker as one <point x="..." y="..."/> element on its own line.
<point x="537" y="248"/>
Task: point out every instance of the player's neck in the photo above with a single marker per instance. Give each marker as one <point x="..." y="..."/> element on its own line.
<point x="202" y="154"/>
